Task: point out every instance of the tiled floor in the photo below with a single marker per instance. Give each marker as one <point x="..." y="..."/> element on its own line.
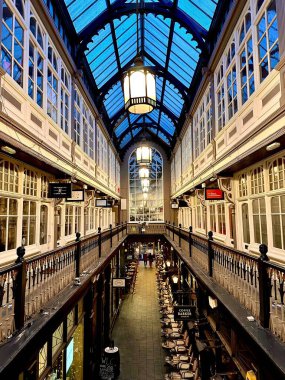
<point x="137" y="331"/>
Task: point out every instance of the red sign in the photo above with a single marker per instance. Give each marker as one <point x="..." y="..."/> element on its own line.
<point x="214" y="194"/>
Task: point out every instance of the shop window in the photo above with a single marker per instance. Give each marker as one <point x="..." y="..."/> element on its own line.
<point x="43" y="358"/>
<point x="9" y="177"/>
<point x="30" y="185"/>
<point x="257" y="181"/>
<point x="57" y="339"/>
<point x="29" y="222"/>
<point x="77" y="219"/>
<point x="242" y="183"/>
<point x="221" y="218"/>
<point x="245" y="223"/>
<point x="267" y="44"/>
<point x="44" y="186"/>
<point x="58" y="223"/>
<point x="259" y="221"/>
<point x="278" y="221"/>
<point x="68" y="220"/>
<point x="8" y="223"/>
<point x="212" y="210"/>
<point x="199" y="217"/>
<point x="43" y="224"/>
<point x="277" y="174"/>
<point x="12" y="45"/>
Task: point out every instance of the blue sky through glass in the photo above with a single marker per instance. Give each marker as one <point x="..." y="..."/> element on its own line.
<point x="166" y="46"/>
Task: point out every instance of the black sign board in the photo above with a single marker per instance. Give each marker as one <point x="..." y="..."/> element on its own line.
<point x="184" y="312"/>
<point x="59" y="190"/>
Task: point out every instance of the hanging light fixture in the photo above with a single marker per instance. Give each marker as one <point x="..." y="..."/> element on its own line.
<point x="139" y="83"/>
<point x="144" y="172"/>
<point x="144" y="155"/>
<point x="145" y="182"/>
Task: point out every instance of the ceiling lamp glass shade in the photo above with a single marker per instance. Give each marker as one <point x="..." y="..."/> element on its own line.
<point x="144" y="172"/>
<point x="139" y="88"/>
<point x="145" y="182"/>
<point x="144" y="155"/>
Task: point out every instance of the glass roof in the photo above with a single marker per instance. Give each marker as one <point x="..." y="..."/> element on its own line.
<point x="171" y="39"/>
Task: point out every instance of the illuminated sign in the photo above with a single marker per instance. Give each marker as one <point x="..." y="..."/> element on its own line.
<point x="213" y="194"/>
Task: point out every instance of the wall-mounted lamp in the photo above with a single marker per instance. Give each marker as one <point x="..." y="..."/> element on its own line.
<point x="175" y="279"/>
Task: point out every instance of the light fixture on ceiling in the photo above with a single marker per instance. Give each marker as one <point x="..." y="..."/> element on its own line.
<point x="144" y="172"/>
<point x="273" y="146"/>
<point x="144" y="155"/>
<point x="8" y="149"/>
<point x="139" y="83"/>
<point x="213" y="178"/>
<point x="145" y="182"/>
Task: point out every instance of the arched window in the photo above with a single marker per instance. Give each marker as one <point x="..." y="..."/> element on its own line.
<point x="277" y="174"/>
<point x="257" y="181"/>
<point x="146" y="206"/>
<point x="30" y="185"/>
<point x="242" y="182"/>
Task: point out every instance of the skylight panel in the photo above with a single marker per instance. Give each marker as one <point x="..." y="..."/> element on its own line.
<point x="125" y="140"/>
<point x="82" y="12"/>
<point x="201" y="11"/>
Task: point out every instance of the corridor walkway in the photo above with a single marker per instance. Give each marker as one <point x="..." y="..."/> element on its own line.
<point x="137" y="331"/>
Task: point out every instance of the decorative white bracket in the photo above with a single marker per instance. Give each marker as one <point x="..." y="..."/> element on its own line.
<point x="200" y="194"/>
<point x="187" y="199"/>
<point x="225" y="184"/>
<point x="89" y="195"/>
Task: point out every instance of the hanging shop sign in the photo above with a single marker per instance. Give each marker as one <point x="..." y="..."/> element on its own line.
<point x="119" y="282"/>
<point x="59" y="190"/>
<point x="214" y="194"/>
<point x="184" y="312"/>
<point x="102" y="202"/>
<point x="76" y="196"/>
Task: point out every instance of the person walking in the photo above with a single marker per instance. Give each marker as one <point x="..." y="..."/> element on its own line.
<point x="150" y="259"/>
<point x="145" y="259"/>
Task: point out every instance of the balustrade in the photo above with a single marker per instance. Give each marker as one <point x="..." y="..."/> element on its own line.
<point x="28" y="285"/>
<point x="257" y="283"/>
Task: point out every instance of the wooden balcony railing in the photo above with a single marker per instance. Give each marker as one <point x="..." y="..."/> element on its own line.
<point x="27" y="285"/>
<point x="257" y="283"/>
